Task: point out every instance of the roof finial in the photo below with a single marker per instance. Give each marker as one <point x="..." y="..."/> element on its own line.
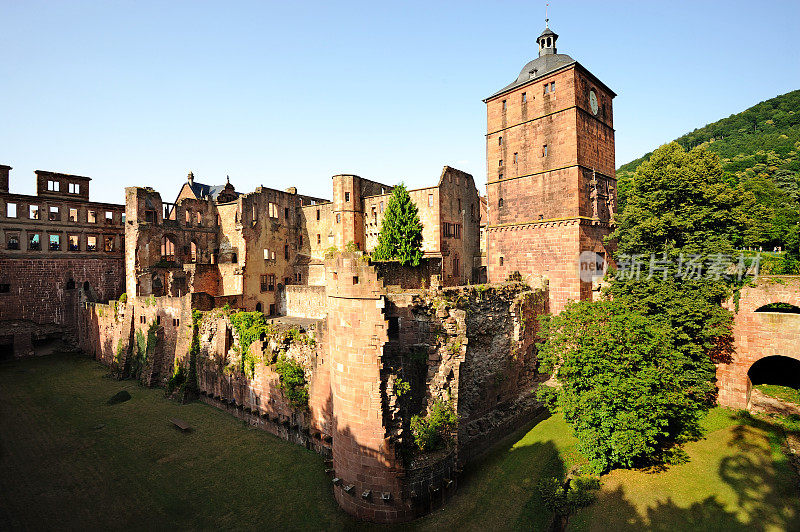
<point x="546" y="19"/>
<point x="228" y="178"/>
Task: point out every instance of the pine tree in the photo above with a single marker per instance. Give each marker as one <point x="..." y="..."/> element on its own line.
<point x="401" y="231"/>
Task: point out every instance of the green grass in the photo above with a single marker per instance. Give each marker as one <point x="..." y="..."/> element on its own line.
<point x="737" y="479"/>
<point x="781" y="392"/>
<point x="68" y="460"/>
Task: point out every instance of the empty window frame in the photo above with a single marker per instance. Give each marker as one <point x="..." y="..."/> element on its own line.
<point x="55" y="242"/>
<point x="338" y="218"/>
<point x="451" y="230"/>
<point x="109" y="217"/>
<point x="269" y="254"/>
<point x="12" y="241"/>
<point x="91" y="216"/>
<point x="74" y="188"/>
<point x="73" y="214"/>
<point x="524" y="97"/>
<point x="272" y="210"/>
<point x="73" y="243"/>
<point x="108" y="244"/>
<point x="55" y="214"/>
<point x="430" y="200"/>
<point x="516" y="157"/>
<point x="319" y="239"/>
<point x="298" y="277"/>
<point x="317" y="214"/>
<point x="167" y="249"/>
<point x="33" y="212"/>
<point x="346" y="196"/>
<point x="268" y="282"/>
<point x="34" y="242"/>
<point x="505" y="106"/>
<point x="544" y="150"/>
<point x="500" y="140"/>
<point x="91" y="243"/>
<point x="11" y="210"/>
<point x="53" y="186"/>
<point x="552" y="86"/>
<point x="198" y="218"/>
<point x="286" y="252"/>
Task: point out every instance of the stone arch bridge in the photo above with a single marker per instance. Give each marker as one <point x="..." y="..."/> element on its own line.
<point x="765" y="335"/>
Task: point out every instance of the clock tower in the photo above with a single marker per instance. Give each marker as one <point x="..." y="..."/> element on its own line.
<point x="551" y="185"/>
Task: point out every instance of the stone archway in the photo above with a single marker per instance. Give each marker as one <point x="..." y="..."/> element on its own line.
<point x="766" y="325"/>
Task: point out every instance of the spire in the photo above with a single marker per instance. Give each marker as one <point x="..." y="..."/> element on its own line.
<point x="228" y="179"/>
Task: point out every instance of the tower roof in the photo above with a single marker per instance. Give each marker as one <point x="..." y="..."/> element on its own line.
<point x="538" y="68"/>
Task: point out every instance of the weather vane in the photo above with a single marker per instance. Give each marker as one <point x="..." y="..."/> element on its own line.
<point x="546" y="20"/>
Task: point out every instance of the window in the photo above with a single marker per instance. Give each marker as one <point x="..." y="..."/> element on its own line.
<point x="12" y="241"/>
<point x="553" y="86"/>
<point x="500" y="203"/>
<point x="108" y="244"/>
<point x="91" y="216"/>
<point x="501" y="261"/>
<point x="268" y="282"/>
<point x="338" y="218"/>
<point x="286" y="212"/>
<point x="430" y="200"/>
<point x="287" y="281"/>
<point x="55" y="215"/>
<point x="317" y="214"/>
<point x="91" y="243"/>
<point x="11" y="210"/>
<point x="500" y="163"/>
<point x="74" y="188"/>
<point x="394" y="328"/>
<point x="272" y="309"/>
<point x="122" y="217"/>
<point x="355" y="279"/>
<point x="193" y="251"/>
<point x="451" y="230"/>
<point x="198" y="218"/>
<point x="500" y="140"/>
<point x="524" y="97"/>
<point x="52" y="186"/>
<point x="286" y="252"/>
<point x="73" y="243"/>
<point x="298" y="277"/>
<point x="456" y="269"/>
<point x="34" y="242"/>
<point x="187" y="217"/>
<point x="516" y="157"/>
<point x="544" y="150"/>
<point x="546" y="87"/>
<point x="176" y="322"/>
<point x="55" y="242"/>
<point x="109" y="217"/>
<point x="319" y="239"/>
<point x="381" y="206"/>
<point x="5" y="288"/>
<point x="299" y="241"/>
<point x="269" y="254"/>
<point x="273" y="210"/>
<point x="500" y="175"/>
<point x="33" y="212"/>
<point x="347" y="196"/>
<point x="73" y="215"/>
<point x="167" y="249"/>
<point x="504" y="106"/>
<point x="234" y="257"/>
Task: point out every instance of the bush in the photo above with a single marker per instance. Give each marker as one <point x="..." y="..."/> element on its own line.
<point x="123" y="298"/>
<point x="293" y="380"/>
<point x="433" y="431"/>
<point x="563" y="498"/>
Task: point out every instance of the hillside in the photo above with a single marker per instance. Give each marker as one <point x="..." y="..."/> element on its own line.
<point x="759" y="149"/>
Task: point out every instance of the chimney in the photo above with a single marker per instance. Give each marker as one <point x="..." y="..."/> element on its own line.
<point x="190" y="178"/>
<point x="4" y="177"/>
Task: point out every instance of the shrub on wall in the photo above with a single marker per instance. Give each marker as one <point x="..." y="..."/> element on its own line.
<point x="293" y="380"/>
<point x="433" y="430"/>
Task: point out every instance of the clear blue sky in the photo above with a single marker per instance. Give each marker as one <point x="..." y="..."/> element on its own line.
<point x="290" y="93"/>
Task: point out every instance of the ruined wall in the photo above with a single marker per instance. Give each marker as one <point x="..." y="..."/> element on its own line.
<point x="304" y="302"/>
<point x="48" y="290"/>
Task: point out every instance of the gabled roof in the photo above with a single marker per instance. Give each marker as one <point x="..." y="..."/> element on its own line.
<point x="200" y="190"/>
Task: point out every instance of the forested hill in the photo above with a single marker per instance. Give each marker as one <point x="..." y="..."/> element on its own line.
<point x="760" y="152"/>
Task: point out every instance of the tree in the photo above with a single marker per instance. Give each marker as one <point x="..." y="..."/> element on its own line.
<point x="623" y="385"/>
<point x="401" y="230"/>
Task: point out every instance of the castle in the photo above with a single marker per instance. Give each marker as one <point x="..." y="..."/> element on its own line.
<point x="376" y="342"/>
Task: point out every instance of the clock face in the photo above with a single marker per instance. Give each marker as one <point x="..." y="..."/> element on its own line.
<point x="593" y="101"/>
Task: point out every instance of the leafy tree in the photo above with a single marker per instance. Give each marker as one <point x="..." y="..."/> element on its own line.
<point x="401" y="230"/>
<point x="623" y="385"/>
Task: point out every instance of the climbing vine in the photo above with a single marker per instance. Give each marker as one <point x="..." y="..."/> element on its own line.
<point x="293" y="380"/>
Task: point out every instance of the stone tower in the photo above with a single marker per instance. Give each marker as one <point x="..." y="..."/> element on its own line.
<point x="551" y="184"/>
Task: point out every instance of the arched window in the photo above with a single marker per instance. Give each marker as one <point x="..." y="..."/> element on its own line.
<point x="168" y="249"/>
<point x="199" y="218"/>
<point x="188" y="216"/>
<point x="783" y="308"/>
<point x="193" y="251"/>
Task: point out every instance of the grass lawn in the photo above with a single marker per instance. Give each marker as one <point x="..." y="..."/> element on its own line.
<point x="68" y="460"/>
<point x="781" y="392"/>
<point x="737" y="479"/>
